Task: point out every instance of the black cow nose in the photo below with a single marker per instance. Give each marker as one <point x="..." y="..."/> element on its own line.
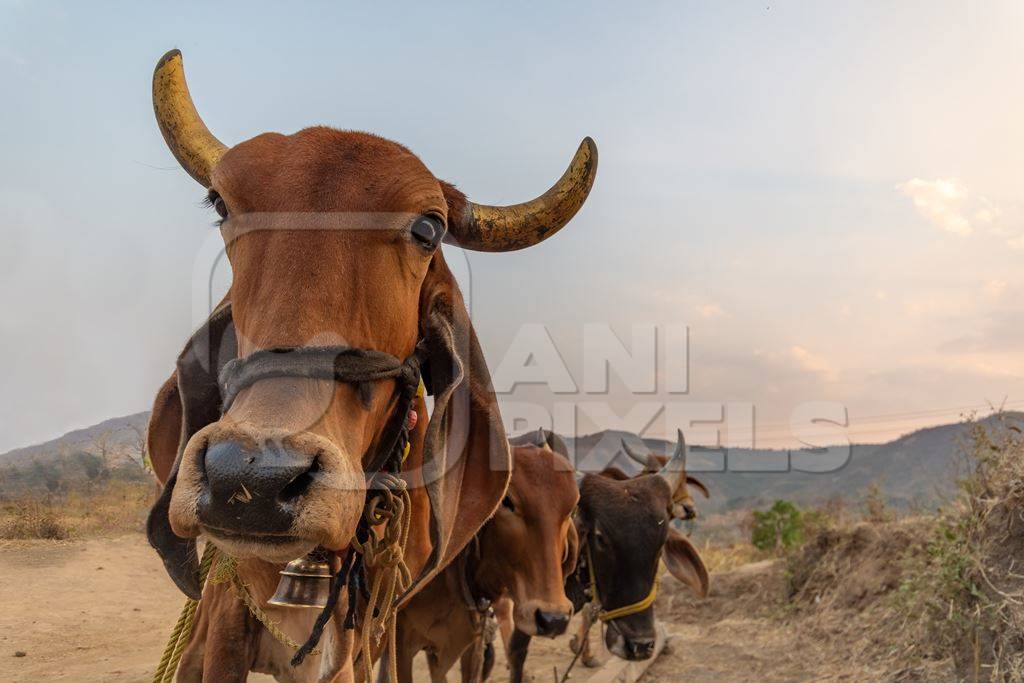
<point x="551" y="623"/>
<point x="253" y="490"/>
<point x="640" y="648"/>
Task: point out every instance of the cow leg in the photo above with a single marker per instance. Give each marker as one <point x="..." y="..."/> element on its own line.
<point x="472" y="662"/>
<point x="503" y="613"/>
<point x="581" y="643"/>
<point x="440" y="660"/>
<point x="515" y="652"/>
<point x="405" y="651"/>
<point x="438" y="668"/>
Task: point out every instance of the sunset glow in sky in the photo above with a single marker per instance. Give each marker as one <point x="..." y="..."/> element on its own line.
<point x="828" y="195"/>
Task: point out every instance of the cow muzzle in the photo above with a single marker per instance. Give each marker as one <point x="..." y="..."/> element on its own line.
<point x="632" y="642"/>
<point x="266" y="495"/>
<point x="254" y="488"/>
<point x="542" y="618"/>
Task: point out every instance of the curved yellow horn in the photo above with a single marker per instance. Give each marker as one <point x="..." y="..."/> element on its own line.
<point x="191" y="142"/>
<point x="508" y="228"/>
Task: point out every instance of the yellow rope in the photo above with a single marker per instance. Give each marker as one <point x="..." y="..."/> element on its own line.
<point x="183" y="628"/>
<point x="263" y="617"/>
<point x="227" y="571"/>
<point x="391" y="507"/>
<point x="619" y="612"/>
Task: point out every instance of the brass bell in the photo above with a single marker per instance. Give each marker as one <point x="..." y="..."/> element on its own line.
<point x="305" y="582"/>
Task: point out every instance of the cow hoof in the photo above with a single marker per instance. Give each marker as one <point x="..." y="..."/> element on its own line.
<point x="574" y="644"/>
<point x="591" y="662"/>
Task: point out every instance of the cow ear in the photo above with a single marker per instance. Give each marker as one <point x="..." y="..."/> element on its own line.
<point x="684" y="563"/>
<point x="164" y="429"/>
<point x="466" y="457"/>
<point x="572" y="550"/>
<point x="199" y="404"/>
<point x="697" y="484"/>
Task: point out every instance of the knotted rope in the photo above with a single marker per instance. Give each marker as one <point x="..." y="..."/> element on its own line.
<point x="183" y="628"/>
<point x="390" y="506"/>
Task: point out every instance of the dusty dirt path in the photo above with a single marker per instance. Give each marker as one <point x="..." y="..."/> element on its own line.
<point x="100" y="610"/>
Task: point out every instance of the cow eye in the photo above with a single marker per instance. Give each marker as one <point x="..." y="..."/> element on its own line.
<point x="217" y="202"/>
<point x="427" y="231"/>
<point x="507" y="503"/>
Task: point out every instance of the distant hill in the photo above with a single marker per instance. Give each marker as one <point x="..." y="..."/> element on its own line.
<point x="78" y="460"/>
<point x="919" y="468"/>
<point x="116" y="438"/>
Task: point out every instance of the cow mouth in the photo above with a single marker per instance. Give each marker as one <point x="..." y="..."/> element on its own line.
<point x="267" y="547"/>
<point x="250" y="537"/>
<point x="631" y="649"/>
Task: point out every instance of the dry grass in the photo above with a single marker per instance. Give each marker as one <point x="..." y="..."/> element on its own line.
<point x="27" y="520"/>
<point x="110" y="508"/>
<point x="724" y="558"/>
<point x="926" y="598"/>
<point x="965" y="598"/>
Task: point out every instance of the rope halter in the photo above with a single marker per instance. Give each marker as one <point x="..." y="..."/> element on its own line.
<point x="619" y="612"/>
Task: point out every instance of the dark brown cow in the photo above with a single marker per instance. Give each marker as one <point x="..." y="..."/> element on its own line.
<point x="624" y="527"/>
<point x="333" y="238"/>
<point x="519" y="561"/>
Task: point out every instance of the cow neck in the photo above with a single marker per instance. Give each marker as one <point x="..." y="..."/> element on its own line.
<point x="468" y="564"/>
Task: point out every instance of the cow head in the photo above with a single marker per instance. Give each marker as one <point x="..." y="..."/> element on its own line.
<point x="530" y="545"/>
<point x="333" y="239"/>
<point x="686" y="508"/>
<point x="626" y="527"/>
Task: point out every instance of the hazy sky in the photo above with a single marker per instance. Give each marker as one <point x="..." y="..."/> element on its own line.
<point x="826" y="194"/>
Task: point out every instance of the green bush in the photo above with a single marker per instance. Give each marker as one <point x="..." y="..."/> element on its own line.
<point x="781" y="526"/>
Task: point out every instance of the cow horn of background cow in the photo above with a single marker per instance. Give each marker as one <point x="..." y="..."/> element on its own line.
<point x="191" y="142"/>
<point x="641" y="459"/>
<point x="674" y="471"/>
<point x="508" y="228"/>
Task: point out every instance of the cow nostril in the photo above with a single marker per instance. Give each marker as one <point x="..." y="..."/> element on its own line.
<point x="641" y="648"/>
<point x="550" y="623"/>
<point x="298" y="486"/>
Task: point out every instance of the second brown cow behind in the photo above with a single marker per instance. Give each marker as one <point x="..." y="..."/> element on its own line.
<point x="518" y="562"/>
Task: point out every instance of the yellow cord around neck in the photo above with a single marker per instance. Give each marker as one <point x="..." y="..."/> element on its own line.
<point x="618" y="612"/>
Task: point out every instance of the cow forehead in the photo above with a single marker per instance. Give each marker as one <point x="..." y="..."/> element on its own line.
<point x="634" y="504"/>
<point x="325" y="170"/>
<point x="543" y="481"/>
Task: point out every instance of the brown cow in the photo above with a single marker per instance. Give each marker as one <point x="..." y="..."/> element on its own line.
<point x="296" y="390"/>
<point x="624" y="528"/>
<point x="521" y="558"/>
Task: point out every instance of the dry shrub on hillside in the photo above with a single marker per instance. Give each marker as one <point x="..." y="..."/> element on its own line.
<point x="109" y="508"/>
<point x="930" y="598"/>
<point x="967" y="597"/>
<point x="32" y="520"/>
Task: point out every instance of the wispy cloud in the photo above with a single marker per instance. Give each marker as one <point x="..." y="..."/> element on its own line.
<point x="813" y="363"/>
<point x="944" y="202"/>
<point x="995" y="288"/>
<point x="710" y="310"/>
